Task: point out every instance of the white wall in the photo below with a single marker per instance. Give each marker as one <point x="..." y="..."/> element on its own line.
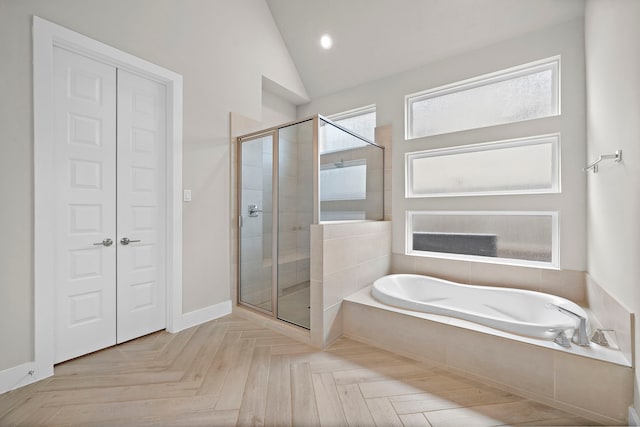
<point x="388" y="94"/>
<point x="612" y="32"/>
<point x="222" y="49"/>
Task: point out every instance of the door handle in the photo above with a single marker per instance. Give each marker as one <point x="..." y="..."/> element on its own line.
<point x="125" y="241"/>
<point x="105" y="242"/>
<point x="253" y="210"/>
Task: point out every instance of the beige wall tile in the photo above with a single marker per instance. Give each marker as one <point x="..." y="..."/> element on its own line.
<point x="612" y="315"/>
<point x="370" y="271"/>
<point x="339" y="254"/>
<point x="524" y="366"/>
<point x="383" y="134"/>
<point x="504" y="275"/>
<point x="340" y="230"/>
<point x="388" y="211"/>
<point x="568" y="284"/>
<point x="594" y="385"/>
<point x="403" y="334"/>
<point x="339" y="285"/>
<point x="387" y="179"/>
<point x="317" y="242"/>
<point x="448" y="269"/>
<point x="332" y="323"/>
<point x="316" y="313"/>
<point x="376" y="245"/>
<point x="403" y="264"/>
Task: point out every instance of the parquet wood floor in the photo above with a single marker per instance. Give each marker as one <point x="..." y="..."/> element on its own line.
<point x="232" y="371"/>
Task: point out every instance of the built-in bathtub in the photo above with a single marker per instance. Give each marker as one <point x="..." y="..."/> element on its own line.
<point x="523" y="312"/>
<point x="591" y="381"/>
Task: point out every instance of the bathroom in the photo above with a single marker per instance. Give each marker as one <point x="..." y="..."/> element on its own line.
<point x="256" y="79"/>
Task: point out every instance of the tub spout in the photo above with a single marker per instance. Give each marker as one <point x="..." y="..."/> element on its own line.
<point x="580" y="336"/>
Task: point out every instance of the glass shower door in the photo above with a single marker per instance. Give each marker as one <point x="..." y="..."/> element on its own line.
<point x="295" y="216"/>
<point x="256" y="222"/>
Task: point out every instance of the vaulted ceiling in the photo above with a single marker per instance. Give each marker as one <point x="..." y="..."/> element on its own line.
<point x="378" y="38"/>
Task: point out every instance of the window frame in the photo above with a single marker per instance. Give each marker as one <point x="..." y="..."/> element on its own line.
<point x="556" y="185"/>
<point x="554" y="264"/>
<point x="552" y="63"/>
<point x="352" y="113"/>
<point x="355" y="112"/>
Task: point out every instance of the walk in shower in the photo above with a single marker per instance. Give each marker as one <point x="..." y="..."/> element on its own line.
<point x="290" y="177"/>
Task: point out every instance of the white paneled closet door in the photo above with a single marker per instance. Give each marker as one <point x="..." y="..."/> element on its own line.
<point x="85" y="158"/>
<point x="109" y="154"/>
<point x="141" y="216"/>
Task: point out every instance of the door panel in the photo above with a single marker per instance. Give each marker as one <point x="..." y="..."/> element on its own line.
<point x="141" y="206"/>
<point x="295" y="216"/>
<point x="84" y="139"/>
<point x="256" y="260"/>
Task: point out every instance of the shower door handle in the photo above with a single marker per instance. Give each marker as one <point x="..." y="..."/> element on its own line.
<point x="253" y="210"/>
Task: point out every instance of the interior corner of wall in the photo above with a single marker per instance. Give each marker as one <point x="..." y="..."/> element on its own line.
<point x="295" y="97"/>
<point x="203" y="315"/>
<point x="634" y="418"/>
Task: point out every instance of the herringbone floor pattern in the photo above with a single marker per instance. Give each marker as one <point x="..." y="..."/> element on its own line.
<point x="234" y="372"/>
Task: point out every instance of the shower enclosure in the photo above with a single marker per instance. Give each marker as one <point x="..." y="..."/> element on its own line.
<point x="289" y="177"/>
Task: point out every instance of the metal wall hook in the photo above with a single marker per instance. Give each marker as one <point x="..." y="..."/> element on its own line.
<point x="617" y="157"/>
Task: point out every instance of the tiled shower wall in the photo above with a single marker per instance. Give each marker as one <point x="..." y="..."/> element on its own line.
<point x="346" y="257"/>
<point x="256" y="231"/>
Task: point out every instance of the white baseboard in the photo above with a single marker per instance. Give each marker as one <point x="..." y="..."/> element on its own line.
<point x="634" y="419"/>
<point x="29" y="372"/>
<point x="19" y="376"/>
<point x="197" y="317"/>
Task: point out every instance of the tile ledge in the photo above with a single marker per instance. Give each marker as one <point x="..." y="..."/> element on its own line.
<point x="364" y="297"/>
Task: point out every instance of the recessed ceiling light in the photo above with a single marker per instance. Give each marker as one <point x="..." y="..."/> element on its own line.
<point x="326" y="42"/>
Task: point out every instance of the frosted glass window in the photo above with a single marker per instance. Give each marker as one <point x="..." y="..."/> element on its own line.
<point x="522" y="238"/>
<point x="522" y="93"/>
<point x="522" y="166"/>
<point x="361" y="121"/>
<point x="343" y="181"/>
<point x="333" y="139"/>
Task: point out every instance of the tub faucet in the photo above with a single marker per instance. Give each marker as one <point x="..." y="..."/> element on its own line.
<point x="580" y="336"/>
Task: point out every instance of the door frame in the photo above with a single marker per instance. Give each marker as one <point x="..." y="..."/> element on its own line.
<point x="46" y="36"/>
<point x="275" y="171"/>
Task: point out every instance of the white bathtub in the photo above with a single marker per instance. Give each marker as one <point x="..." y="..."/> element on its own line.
<point x="517" y="311"/>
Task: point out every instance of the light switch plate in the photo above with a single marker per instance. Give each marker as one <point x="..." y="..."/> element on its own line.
<point x="186" y="196"/>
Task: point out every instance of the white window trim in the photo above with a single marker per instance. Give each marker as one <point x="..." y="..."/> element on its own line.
<point x="352" y="113"/>
<point x="487" y="146"/>
<point x="552" y="63"/>
<point x="555" y="240"/>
